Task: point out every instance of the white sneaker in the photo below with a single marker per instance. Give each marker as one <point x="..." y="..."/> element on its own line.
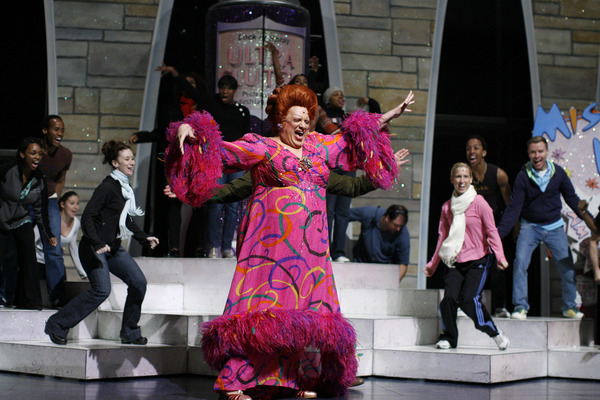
<point x="502" y="340"/>
<point x="342" y="259"/>
<point x="460" y="313"/>
<point x="501" y="312"/>
<point x="213" y="253"/>
<point x="573" y="313"/>
<point x="519" y="313"/>
<point x="228" y="253"/>
<point x="442" y="344"/>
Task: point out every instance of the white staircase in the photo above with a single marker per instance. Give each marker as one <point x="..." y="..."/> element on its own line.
<point x="396" y="327"/>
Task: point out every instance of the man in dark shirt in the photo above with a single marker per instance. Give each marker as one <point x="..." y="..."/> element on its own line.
<point x="491" y="182"/>
<point x="536" y="200"/>
<point x="55" y="163"/>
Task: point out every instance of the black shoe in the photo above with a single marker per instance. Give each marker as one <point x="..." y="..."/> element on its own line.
<point x="2" y="302"/>
<point x="56" y="339"/>
<point x="173" y="253"/>
<point x="140" y="341"/>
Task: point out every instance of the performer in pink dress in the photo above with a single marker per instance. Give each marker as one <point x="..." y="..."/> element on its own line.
<point x="282" y="326"/>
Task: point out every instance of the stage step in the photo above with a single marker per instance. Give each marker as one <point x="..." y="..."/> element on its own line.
<point x="463" y="364"/>
<point x="574" y="362"/>
<point x="92" y="359"/>
<point x="218" y="273"/>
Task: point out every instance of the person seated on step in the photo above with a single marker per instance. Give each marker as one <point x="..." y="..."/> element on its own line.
<point x="106" y="220"/>
<point x="467" y="239"/>
<point x="384" y="237"/>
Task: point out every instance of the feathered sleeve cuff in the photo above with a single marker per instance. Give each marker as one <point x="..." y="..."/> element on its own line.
<point x="193" y="175"/>
<point x="371" y="148"/>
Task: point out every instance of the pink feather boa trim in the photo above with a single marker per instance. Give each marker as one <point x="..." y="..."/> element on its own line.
<point x="193" y="175"/>
<point x="274" y="331"/>
<point x="371" y="148"/>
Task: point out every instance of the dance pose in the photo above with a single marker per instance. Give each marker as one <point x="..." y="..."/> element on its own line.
<point x="282" y="331"/>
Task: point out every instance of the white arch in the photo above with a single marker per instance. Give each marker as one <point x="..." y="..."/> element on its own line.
<point x="428" y="141"/>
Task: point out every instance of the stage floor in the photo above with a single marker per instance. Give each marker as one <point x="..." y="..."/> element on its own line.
<point x="30" y="387"/>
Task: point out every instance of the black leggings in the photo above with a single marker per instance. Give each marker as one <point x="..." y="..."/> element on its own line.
<point x="462" y="288"/>
<point x="28" y="293"/>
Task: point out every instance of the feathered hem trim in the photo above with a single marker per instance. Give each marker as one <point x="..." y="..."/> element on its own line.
<point x="371" y="148"/>
<point x="193" y="175"/>
<point x="290" y="331"/>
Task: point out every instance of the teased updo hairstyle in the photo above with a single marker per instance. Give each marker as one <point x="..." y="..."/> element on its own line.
<point x="111" y="150"/>
<point x="282" y="99"/>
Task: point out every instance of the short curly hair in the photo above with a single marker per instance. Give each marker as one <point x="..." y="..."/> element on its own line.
<point x="282" y="99"/>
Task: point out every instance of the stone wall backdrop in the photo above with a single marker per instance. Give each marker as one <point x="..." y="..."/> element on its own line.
<point x="567" y="37"/>
<point x="102" y="57"/>
<point x="386" y="48"/>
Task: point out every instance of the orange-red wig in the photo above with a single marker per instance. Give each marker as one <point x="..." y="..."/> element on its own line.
<point x="282" y="99"/>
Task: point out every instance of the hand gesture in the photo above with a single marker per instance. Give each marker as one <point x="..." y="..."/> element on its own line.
<point x="133" y="139"/>
<point x="169" y="192"/>
<point x="583" y="206"/>
<point x="502" y="265"/>
<point x="103" y="249"/>
<point x="271" y="47"/>
<point x="396" y="112"/>
<point x="153" y="241"/>
<point x="184" y="131"/>
<point x="400" y="157"/>
<point x="428" y="270"/>
<point x="167" y="69"/>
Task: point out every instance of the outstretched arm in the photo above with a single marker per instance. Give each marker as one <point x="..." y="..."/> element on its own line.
<point x="396" y="112"/>
<point x="275" y="61"/>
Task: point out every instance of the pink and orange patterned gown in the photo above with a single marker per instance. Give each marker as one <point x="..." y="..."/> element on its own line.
<point x="282" y="324"/>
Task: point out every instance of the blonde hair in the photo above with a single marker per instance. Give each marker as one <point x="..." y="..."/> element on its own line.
<point x="460" y="165"/>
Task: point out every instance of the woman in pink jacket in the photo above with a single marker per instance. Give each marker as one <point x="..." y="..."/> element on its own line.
<point x="468" y="244"/>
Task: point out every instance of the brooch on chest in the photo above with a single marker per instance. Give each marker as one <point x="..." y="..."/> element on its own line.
<point x="305" y="164"/>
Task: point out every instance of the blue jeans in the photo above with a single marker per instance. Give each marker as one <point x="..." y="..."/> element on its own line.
<point x="53" y="255"/>
<point x="229" y="219"/>
<point x="98" y="268"/>
<point x="338" y="216"/>
<point x="530" y="237"/>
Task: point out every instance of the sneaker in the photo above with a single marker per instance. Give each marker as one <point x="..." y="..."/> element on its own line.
<point x="213" y="253"/>
<point x="501" y="312"/>
<point x="460" y="313"/>
<point x="519" y="313"/>
<point x="501" y="340"/>
<point x="573" y="313"/>
<point x="442" y="344"/>
<point x="342" y="259"/>
<point x="2" y="302"/>
<point x="228" y="253"/>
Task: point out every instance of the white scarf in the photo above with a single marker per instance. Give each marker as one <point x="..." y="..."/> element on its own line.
<point x="456" y="236"/>
<point x="130" y="206"/>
